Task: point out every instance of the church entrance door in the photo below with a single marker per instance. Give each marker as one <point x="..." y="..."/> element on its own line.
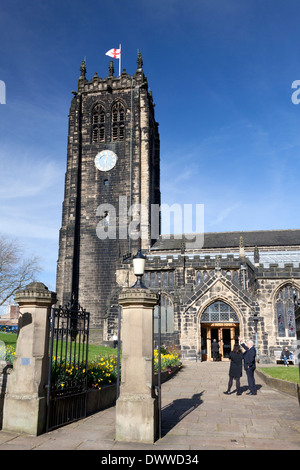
<point x="218" y="322"/>
<point x="226" y="339"/>
<point x="225" y="334"/>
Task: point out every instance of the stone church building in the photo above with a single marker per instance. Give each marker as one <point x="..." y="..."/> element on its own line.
<point x="237" y="284"/>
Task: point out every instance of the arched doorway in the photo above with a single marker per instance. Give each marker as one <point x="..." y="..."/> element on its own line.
<point x="218" y="322"/>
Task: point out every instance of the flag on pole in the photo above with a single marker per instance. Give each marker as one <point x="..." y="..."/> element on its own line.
<point x="115" y="54"/>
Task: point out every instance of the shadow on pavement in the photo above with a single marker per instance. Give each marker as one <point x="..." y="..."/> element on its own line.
<point x="173" y="413"/>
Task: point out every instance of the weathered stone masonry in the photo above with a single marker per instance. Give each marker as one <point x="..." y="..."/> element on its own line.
<point x="253" y="276"/>
<point x="86" y="264"/>
<point x="250" y="288"/>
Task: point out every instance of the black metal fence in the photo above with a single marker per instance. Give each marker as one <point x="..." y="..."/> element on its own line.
<point x="67" y="375"/>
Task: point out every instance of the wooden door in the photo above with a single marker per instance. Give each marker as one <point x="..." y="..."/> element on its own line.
<point x="209" y="337"/>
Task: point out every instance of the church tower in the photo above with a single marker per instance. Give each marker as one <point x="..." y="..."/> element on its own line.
<point x="112" y="178"/>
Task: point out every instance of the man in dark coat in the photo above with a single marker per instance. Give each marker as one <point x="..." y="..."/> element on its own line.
<point x="249" y="365"/>
<point x="215" y="350"/>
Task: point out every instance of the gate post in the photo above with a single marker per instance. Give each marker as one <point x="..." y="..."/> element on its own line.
<point x="137" y="405"/>
<point x="25" y="402"/>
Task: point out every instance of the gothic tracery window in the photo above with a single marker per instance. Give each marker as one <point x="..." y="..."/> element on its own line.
<point x="201" y="277"/>
<point x="98" y="123"/>
<point x="219" y="312"/>
<point x="159" y="279"/>
<point x="285" y="311"/>
<point x="118" y="121"/>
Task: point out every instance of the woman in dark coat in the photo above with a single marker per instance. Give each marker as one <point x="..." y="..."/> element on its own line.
<point x="236" y="368"/>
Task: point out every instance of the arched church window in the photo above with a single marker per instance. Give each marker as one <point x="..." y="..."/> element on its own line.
<point x="219" y="312"/>
<point x="285" y="311"/>
<point x="98" y="123"/>
<point x="118" y="121"/>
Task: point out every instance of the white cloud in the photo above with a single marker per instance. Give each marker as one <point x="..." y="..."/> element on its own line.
<point x="224" y="214"/>
<point x="31" y="193"/>
<point x="24" y="176"/>
<point x="27" y="228"/>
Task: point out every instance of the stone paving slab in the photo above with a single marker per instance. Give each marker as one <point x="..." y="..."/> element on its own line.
<point x="196" y="415"/>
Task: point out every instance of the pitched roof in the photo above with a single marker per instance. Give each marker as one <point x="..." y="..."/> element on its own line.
<point x="260" y="238"/>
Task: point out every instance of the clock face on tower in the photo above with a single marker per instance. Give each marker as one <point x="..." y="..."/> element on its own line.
<point x="105" y="160"/>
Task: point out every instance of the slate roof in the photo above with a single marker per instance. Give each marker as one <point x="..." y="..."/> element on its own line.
<point x="260" y="238"/>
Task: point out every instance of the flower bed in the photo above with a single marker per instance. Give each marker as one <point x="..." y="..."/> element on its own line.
<point x="102" y="397"/>
<point x="7" y="352"/>
<point x="168" y="359"/>
<point x="98" y="372"/>
<point x="102" y="372"/>
<point x="102" y="375"/>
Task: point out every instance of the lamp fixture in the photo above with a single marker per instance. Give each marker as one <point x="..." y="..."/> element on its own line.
<point x="139" y="261"/>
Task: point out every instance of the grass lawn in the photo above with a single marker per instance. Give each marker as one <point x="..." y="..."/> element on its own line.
<point x="290" y="374"/>
<point x="101" y="351"/>
<point x="8" y="338"/>
<point x="95" y="352"/>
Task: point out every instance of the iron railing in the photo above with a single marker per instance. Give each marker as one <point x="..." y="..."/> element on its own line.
<point x="67" y="374"/>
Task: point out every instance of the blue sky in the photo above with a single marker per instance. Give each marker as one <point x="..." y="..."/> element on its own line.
<point x="221" y="73"/>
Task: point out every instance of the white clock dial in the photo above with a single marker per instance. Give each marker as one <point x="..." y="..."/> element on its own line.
<point x="105" y="160"/>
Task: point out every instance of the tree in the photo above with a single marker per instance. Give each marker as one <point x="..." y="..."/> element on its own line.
<point x="16" y="271"/>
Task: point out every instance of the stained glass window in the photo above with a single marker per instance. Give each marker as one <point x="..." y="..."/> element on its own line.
<point x="285" y="311"/>
<point x="280" y="318"/>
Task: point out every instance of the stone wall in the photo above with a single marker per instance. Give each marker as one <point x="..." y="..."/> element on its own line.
<point x="249" y="289"/>
<point x="87" y="264"/>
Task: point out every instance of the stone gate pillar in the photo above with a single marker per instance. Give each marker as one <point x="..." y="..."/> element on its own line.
<point x="137" y="405"/>
<point x="25" y="402"/>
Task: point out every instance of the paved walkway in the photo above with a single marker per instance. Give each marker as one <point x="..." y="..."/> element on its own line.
<point x="196" y="415"/>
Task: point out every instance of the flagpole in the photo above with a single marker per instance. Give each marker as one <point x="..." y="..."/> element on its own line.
<point x="120" y="62"/>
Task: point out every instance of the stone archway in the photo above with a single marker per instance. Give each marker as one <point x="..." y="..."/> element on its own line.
<point x="219" y="289"/>
<point x="220" y="322"/>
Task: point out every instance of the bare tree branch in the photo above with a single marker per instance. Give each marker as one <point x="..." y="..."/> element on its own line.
<point x="15" y="270"/>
